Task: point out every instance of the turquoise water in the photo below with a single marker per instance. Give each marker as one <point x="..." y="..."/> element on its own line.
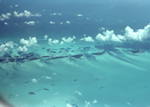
<point x="104" y="79"/>
<point x="74" y="53"/>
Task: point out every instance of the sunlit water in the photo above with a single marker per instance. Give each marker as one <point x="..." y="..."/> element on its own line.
<point x="108" y="80"/>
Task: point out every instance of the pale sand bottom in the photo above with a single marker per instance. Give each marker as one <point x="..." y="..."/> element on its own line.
<point x="102" y="81"/>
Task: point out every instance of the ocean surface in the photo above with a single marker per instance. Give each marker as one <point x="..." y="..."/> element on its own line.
<point x="73" y="53"/>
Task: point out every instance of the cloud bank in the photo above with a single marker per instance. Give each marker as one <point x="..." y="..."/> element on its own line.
<point x="129" y="35"/>
<point x="26" y="14"/>
<point x="130" y="39"/>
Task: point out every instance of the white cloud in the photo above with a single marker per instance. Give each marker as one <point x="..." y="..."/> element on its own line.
<point x="79" y="15"/>
<point x="94" y="101"/>
<point x="54" y="73"/>
<point x="55" y="41"/>
<point x="108" y="36"/>
<point x="26" y="14"/>
<point x="45" y="37"/>
<point x="34" y="80"/>
<point x="87" y="104"/>
<point x="30" y="22"/>
<point x="102" y="28"/>
<point x="47" y="77"/>
<point x="79" y="93"/>
<point x="10" y="44"/>
<point x="68" y="105"/>
<point x="62" y="42"/>
<point x="139" y="35"/>
<point x="51" y="22"/>
<point x="54" y="14"/>
<point x="5" y="16"/>
<point x="87" y="39"/>
<point x="3" y="48"/>
<point x="22" y="49"/>
<point x="69" y="39"/>
<point x="31" y="42"/>
<point x="51" y="42"/>
<point x="68" y="22"/>
<point x="16" y="5"/>
<point x="61" y="23"/>
<point x="18" y="14"/>
<point x="5" y="23"/>
<point x="130" y="34"/>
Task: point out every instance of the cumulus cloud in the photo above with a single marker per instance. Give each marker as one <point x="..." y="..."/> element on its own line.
<point x="30" y="22"/>
<point x="61" y="23"/>
<point x="62" y="42"/>
<point x="78" y="93"/>
<point x="87" y="104"/>
<point x="5" y="46"/>
<point x="31" y="42"/>
<point x="69" y="39"/>
<point x="5" y="16"/>
<point x="138" y="35"/>
<point x="102" y="28"/>
<point x="130" y="34"/>
<point x="10" y="44"/>
<point x="34" y="80"/>
<point x="55" y="41"/>
<point x="108" y="36"/>
<point x="94" y="101"/>
<point x="45" y="37"/>
<point x="68" y="22"/>
<point x="47" y="77"/>
<point x="22" y="49"/>
<point x="51" y="22"/>
<point x="79" y="15"/>
<point x="87" y="39"/>
<point x="26" y="14"/>
<point x="51" y="41"/>
<point x="5" y="23"/>
<point x="16" y="5"/>
<point x="68" y="105"/>
<point x="54" y="73"/>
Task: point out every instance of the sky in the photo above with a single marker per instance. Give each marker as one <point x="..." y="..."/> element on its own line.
<point x="87" y="20"/>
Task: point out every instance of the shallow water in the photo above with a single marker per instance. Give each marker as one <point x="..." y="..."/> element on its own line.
<point x="102" y="81"/>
